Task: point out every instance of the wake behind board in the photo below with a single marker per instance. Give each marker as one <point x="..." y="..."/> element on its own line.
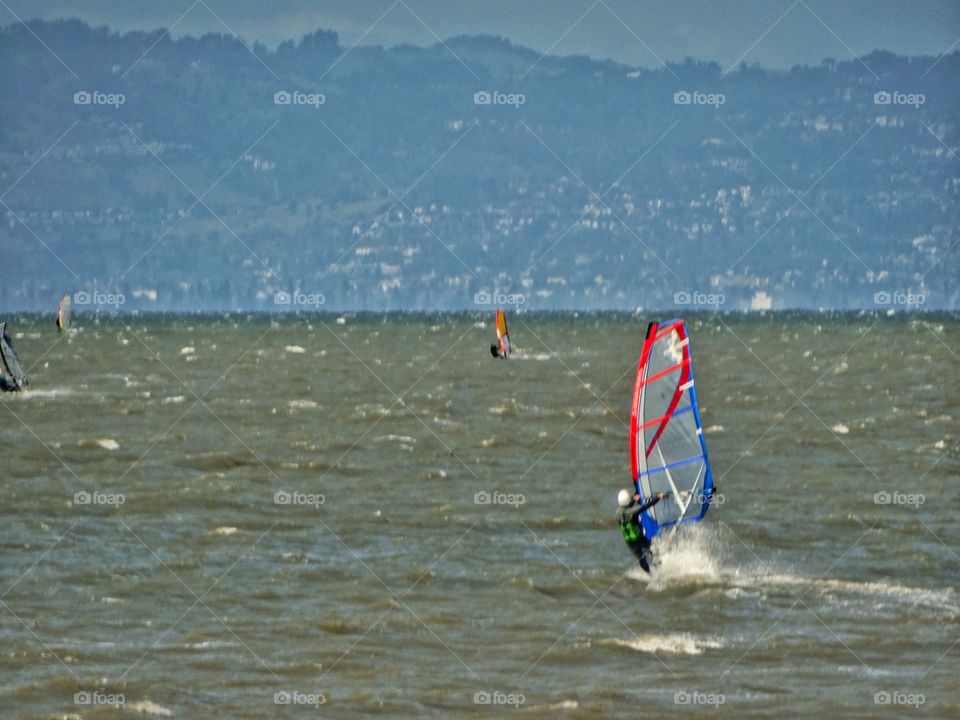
<point x="9" y="360"/>
<point x="668" y="452"/>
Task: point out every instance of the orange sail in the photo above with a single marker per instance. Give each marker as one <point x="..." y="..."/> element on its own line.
<point x="503" y="337"/>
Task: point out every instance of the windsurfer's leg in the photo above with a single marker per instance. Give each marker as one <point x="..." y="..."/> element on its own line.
<point x="638" y="552"/>
<point x="641" y="552"/>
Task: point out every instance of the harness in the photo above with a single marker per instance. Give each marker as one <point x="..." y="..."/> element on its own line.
<point x="631" y="532"/>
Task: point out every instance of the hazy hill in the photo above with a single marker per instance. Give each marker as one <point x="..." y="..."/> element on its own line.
<point x="580" y="184"/>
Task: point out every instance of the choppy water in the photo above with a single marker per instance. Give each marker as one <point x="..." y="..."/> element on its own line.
<point x="400" y="595"/>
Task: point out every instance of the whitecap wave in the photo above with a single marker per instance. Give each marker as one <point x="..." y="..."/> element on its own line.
<point x="677" y="643"/>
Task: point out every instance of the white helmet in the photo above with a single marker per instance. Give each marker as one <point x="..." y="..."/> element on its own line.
<point x="624" y="498"/>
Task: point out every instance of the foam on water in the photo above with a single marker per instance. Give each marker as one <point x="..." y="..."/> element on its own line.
<point x="677" y="643"/>
<point x="148" y="707"/>
<point x="302" y="404"/>
<point x="696" y="557"/>
<point x="691" y="557"/>
<point x="940" y="599"/>
<point x="32" y="394"/>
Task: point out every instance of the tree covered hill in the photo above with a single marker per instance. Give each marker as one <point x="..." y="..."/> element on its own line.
<point x="203" y="173"/>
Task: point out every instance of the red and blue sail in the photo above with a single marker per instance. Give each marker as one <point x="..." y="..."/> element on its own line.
<point x="668" y="452"/>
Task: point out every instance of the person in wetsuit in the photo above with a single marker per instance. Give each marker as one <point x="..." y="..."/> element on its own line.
<point x="8" y="384"/>
<point x="628" y="515"/>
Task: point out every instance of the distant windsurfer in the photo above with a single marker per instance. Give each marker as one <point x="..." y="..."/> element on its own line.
<point x="11" y="374"/>
<point x="501" y="348"/>
<point x="628" y="515"/>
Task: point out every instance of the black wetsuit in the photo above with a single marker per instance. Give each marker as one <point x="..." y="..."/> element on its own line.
<point x="629" y="519"/>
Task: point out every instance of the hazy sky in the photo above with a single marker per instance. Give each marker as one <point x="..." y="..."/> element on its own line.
<point x="775" y="33"/>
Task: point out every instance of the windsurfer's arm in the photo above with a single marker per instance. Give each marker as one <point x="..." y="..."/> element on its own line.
<point x="650" y="503"/>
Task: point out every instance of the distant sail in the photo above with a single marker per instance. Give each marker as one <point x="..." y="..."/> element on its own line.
<point x="668" y="452"/>
<point x="9" y="360"/>
<point x="63" y="313"/>
<point x="503" y="337"/>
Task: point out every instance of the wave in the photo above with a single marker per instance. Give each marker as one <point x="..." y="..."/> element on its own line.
<point x="148" y="707"/>
<point x="941" y="599"/>
<point x="677" y="643"/>
<point x="32" y="394"/>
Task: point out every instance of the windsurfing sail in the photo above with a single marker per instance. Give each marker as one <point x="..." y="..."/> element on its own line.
<point x="9" y="360"/>
<point x="668" y="452"/>
<point x="63" y="313"/>
<point x="503" y="337"/>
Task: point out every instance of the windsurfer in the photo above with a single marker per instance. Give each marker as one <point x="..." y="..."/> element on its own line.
<point x="628" y="515"/>
<point x="11" y="375"/>
<point x="495" y="350"/>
